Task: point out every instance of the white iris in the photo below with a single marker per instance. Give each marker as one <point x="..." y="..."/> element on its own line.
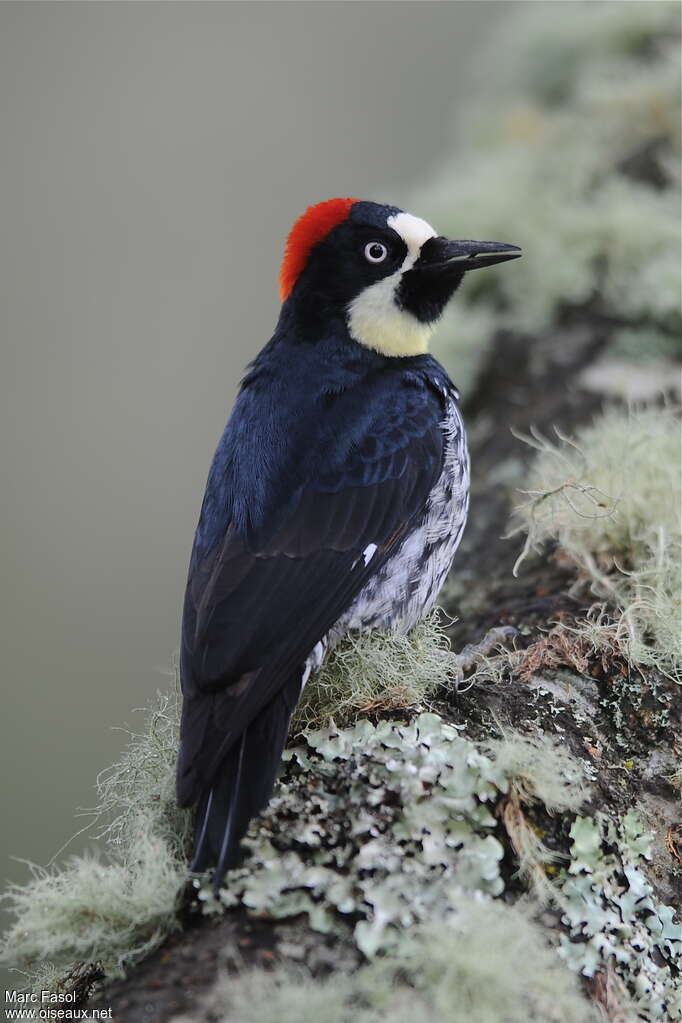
<point x="375" y="252"/>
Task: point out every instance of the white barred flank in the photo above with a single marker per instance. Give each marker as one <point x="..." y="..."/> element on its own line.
<point x="406" y="587"/>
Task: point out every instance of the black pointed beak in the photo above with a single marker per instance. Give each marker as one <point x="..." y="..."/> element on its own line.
<point x="426" y="287"/>
<point x="442" y="254"/>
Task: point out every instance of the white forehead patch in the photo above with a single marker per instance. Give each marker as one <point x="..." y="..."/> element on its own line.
<point x="374" y="318"/>
<point x="414" y="232"/>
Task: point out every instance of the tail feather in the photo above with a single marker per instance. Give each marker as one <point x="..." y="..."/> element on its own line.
<point x="241" y="788"/>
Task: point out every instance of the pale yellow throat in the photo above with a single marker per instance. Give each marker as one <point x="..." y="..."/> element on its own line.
<point x="376" y="321"/>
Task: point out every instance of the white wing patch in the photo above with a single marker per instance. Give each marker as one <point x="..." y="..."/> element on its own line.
<point x="369" y="552"/>
<point x="314" y="660"/>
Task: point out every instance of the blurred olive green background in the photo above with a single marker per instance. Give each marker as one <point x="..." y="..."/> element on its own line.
<point x="153" y="158"/>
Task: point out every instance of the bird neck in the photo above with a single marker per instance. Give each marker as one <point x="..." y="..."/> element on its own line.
<point x="310" y="319"/>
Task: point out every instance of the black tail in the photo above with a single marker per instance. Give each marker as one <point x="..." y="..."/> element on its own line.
<point x="242" y="787"/>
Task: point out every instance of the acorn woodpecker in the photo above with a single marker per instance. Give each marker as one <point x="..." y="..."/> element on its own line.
<point x="336" y="499"/>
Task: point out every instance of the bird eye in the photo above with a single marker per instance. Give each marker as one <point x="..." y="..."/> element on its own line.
<point x="375" y="252"/>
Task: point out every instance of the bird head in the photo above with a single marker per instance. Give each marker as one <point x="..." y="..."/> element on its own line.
<point x="386" y="273"/>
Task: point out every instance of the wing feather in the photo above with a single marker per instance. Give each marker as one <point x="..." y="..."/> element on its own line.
<point x="258" y="601"/>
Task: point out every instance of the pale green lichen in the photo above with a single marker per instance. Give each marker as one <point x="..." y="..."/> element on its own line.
<point x="572" y="152"/>
<point x="380" y="833"/>
<point x="610" y="499"/>
<point x="642" y="344"/>
<point x="387" y="822"/>
<point x="542" y="771"/>
<point x="487" y="957"/>
<point x="390" y="823"/>
<point x="391" y="826"/>
<point x="378" y="671"/>
<point x="611" y="909"/>
<point x="117" y="903"/>
<point x="406" y="861"/>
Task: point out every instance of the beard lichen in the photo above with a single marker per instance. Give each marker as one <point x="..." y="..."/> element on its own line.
<point x="490" y="958"/>
<point x="380" y="834"/>
<point x="406" y="839"/>
<point x="118" y="901"/>
<point x="610" y="499"/>
<point x="586" y="122"/>
<point x="378" y="673"/>
<point x="379" y="831"/>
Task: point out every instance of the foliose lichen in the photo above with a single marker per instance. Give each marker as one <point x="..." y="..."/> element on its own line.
<point x="379" y="833"/>
<point x="385" y="825"/>
<point x="391" y="825"/>
<point x="614" y="918"/>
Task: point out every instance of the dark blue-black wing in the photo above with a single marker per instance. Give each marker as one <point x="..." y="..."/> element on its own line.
<point x="260" y="598"/>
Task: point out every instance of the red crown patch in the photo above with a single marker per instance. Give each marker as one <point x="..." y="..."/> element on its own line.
<point x="310" y="228"/>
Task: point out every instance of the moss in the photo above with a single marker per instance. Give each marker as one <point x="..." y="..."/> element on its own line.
<point x="118" y="901"/>
<point x="610" y="499"/>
